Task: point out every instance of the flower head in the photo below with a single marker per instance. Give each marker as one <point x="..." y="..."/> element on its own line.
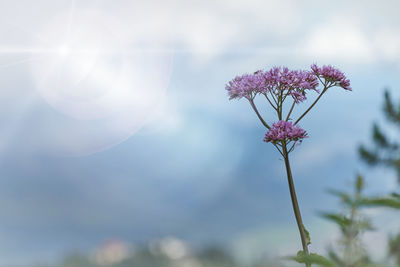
<point x="284" y="131"/>
<point x="291" y="82"/>
<point x="332" y="75"/>
<point x="246" y="85"/>
<point x="277" y="80"/>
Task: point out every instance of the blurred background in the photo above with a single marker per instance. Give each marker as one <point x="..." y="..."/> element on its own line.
<point x="118" y="141"/>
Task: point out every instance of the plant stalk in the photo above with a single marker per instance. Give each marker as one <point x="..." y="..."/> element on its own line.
<point x="313" y="104"/>
<point x="258" y="113"/>
<point x="295" y="204"/>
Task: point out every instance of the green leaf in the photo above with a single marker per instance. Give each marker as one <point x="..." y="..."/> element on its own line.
<point x="389" y="202"/>
<point x="392" y="113"/>
<point x="308" y="238"/>
<point x="339" y="219"/>
<point x="346" y="199"/>
<point x="378" y="137"/>
<point x="365" y="224"/>
<point x="335" y="257"/>
<point x="368" y="156"/>
<point x="359" y="183"/>
<point x="312" y="258"/>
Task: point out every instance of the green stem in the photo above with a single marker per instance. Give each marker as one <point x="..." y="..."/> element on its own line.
<point x="280" y="101"/>
<point x="266" y="96"/>
<point x="290" y="111"/>
<point x="295" y="204"/>
<point x="351" y="232"/>
<point x="258" y="113"/>
<point x="313" y="104"/>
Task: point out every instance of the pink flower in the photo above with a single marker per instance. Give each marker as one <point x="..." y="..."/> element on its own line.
<point x="292" y="82"/>
<point x="285" y="131"/>
<point x="277" y="80"/>
<point x="332" y="75"/>
<point x="246" y="85"/>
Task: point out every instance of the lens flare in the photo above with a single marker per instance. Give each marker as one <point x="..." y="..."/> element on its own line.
<point x="93" y="74"/>
<point x="63" y="50"/>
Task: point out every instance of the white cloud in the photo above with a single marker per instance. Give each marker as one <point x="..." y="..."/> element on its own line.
<point x="114" y="94"/>
<point x="206" y="28"/>
<point x="273" y="31"/>
<point x="387" y="42"/>
<point x="339" y="40"/>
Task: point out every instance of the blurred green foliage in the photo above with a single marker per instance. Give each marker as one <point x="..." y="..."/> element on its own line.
<point x="350" y="251"/>
<point x="352" y="223"/>
<point x="386" y="152"/>
<point x="383" y="150"/>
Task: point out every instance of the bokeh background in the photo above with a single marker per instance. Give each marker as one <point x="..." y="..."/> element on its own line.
<point x="115" y="124"/>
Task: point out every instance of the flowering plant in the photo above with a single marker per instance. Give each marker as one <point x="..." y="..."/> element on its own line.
<point x="277" y="86"/>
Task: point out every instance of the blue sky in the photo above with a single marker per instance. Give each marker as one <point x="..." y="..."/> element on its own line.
<point x="114" y="120"/>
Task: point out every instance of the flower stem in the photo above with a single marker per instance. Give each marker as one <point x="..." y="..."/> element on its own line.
<point x="258" y="113"/>
<point x="290" y="111"/>
<point x="295" y="204"/>
<point x="313" y="104"/>
<point x="273" y="106"/>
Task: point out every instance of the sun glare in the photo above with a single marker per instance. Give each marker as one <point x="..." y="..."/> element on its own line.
<point x="63" y="50"/>
<point x="94" y="78"/>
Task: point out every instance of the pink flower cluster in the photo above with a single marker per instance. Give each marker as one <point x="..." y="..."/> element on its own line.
<point x="283" y="131"/>
<point x="282" y="81"/>
<point x="333" y="75"/>
<point x="292" y="82"/>
<point x="278" y="80"/>
<point x="247" y="85"/>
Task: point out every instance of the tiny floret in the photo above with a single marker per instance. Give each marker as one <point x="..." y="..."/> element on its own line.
<point x="277" y="81"/>
<point x="285" y="131"/>
<point x="332" y="75"/>
<point x="291" y="82"/>
<point x="246" y="85"/>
